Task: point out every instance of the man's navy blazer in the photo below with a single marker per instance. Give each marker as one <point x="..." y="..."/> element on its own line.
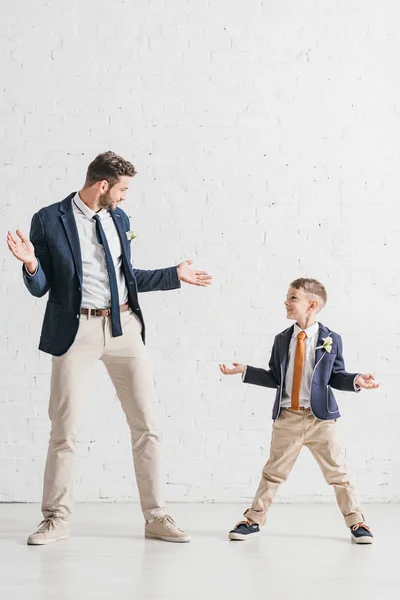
<point x="329" y="372"/>
<point x="55" y="237"/>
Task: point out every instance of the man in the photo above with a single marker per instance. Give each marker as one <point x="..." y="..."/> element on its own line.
<point x="79" y="252"/>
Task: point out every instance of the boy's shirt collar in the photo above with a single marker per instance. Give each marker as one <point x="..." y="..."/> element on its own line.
<point x="310" y="331"/>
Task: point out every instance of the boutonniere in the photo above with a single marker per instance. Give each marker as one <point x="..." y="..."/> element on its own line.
<point x="327" y="345"/>
<point x="131" y="235"/>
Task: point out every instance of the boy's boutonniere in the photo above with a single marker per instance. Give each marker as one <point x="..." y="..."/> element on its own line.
<point x="131" y="235"/>
<point x="327" y="345"/>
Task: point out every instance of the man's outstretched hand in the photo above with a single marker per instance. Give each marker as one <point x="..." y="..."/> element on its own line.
<point x="23" y="249"/>
<point x="188" y="275"/>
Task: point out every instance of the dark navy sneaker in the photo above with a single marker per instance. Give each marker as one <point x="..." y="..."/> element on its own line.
<point x="361" y="534"/>
<point x="244" y="531"/>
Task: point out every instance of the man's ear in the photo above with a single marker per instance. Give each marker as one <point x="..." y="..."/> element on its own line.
<point x="103" y="186"/>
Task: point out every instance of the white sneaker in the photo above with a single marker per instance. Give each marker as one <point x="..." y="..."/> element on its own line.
<point x="164" y="528"/>
<point x="49" y="530"/>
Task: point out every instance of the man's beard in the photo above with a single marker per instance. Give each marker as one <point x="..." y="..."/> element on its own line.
<point x="105" y="201"/>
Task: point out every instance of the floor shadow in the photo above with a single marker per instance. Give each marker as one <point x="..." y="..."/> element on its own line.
<point x="305" y="536"/>
<point x="115" y="536"/>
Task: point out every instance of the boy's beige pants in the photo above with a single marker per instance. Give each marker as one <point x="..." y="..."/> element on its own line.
<point x="127" y="363"/>
<point x="290" y="432"/>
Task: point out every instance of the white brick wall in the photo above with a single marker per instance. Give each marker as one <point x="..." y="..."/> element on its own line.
<point x="266" y="136"/>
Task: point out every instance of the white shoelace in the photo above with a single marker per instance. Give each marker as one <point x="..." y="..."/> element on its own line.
<point x="168" y="522"/>
<point x="47" y="525"/>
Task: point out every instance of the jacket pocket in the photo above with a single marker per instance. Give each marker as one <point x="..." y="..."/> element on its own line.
<point x="331" y="404"/>
<point x="50" y="321"/>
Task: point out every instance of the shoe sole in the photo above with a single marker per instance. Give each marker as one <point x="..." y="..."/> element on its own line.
<point x="45" y="542"/>
<point x="153" y="536"/>
<point x="362" y="540"/>
<point x="240" y="537"/>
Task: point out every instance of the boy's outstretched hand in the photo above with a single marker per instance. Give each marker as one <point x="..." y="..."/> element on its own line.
<point x="237" y="368"/>
<point x="367" y="382"/>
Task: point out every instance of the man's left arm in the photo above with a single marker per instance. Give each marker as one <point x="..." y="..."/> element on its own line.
<point x="157" y="280"/>
<point x="170" y="278"/>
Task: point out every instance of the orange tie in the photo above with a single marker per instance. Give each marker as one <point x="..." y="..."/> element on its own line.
<point x="298" y="370"/>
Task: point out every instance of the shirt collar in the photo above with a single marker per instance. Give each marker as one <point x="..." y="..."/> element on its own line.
<point x="88" y="212"/>
<point x="310" y="331"/>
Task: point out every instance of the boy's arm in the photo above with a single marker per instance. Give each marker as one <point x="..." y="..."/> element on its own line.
<point x="266" y="378"/>
<point x="340" y="379"/>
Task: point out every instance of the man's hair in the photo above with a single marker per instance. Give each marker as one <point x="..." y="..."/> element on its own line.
<point x="109" y="167"/>
<point x="311" y="286"/>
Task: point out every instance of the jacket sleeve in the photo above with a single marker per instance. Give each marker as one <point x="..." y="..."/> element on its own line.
<point x="39" y="283"/>
<point x="263" y="377"/>
<point x="340" y="379"/>
<point x="154" y="280"/>
<point x="157" y="280"/>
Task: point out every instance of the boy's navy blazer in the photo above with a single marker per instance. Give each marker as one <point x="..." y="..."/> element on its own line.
<point x="55" y="237"/>
<point x="329" y="372"/>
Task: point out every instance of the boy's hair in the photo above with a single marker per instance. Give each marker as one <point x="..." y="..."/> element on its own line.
<point x="311" y="286"/>
<point x="110" y="167"/>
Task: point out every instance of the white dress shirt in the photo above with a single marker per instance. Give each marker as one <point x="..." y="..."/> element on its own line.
<point x="95" y="284"/>
<point x="309" y="364"/>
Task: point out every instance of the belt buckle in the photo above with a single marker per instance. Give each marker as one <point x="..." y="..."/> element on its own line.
<point x="98" y="312"/>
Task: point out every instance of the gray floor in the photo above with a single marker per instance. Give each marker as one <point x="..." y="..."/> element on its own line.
<point x="304" y="552"/>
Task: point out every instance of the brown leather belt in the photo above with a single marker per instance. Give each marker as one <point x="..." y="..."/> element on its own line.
<point x="102" y="312"/>
<point x="300" y="409"/>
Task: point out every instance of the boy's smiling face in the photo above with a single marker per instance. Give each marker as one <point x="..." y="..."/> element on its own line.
<point x="300" y="305"/>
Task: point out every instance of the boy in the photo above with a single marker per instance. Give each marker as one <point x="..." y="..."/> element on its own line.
<point x="306" y="362"/>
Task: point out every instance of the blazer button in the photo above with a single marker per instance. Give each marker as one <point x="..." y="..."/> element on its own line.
<point x="137" y="309"/>
<point x="77" y="316"/>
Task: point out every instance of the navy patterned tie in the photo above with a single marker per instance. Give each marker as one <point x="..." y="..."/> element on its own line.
<point x="115" y="310"/>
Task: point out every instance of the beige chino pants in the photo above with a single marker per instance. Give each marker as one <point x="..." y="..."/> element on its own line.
<point x="128" y="366"/>
<point x="290" y="432"/>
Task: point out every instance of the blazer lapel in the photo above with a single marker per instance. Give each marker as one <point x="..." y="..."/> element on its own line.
<point x="284" y="349"/>
<point x="320" y="352"/>
<point x="69" y="223"/>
